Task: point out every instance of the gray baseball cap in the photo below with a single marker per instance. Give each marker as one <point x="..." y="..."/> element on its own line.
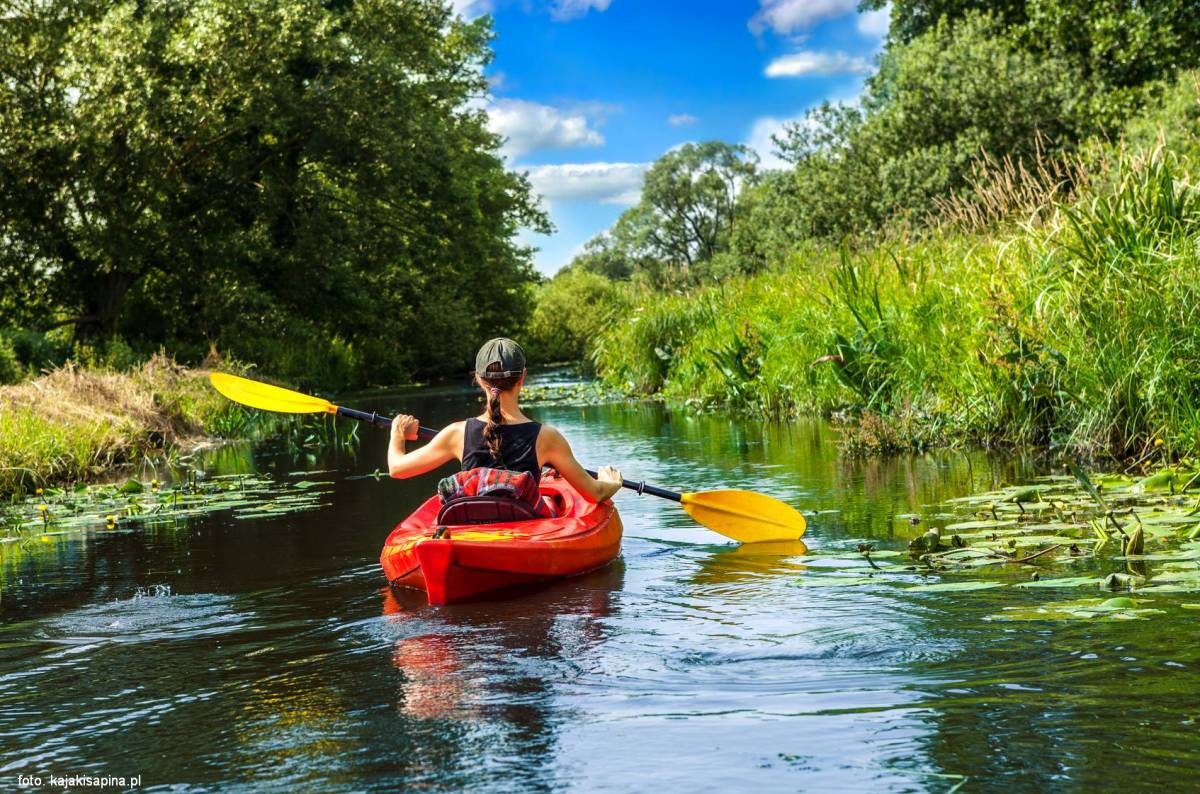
<point x="505" y="352"/>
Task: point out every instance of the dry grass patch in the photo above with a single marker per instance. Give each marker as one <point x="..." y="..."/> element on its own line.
<point x="72" y="424"/>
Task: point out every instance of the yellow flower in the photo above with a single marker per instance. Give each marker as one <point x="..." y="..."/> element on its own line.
<point x="43" y="508"/>
<point x="1158" y="442"/>
<point x="110" y="519"/>
<point x="39" y="492"/>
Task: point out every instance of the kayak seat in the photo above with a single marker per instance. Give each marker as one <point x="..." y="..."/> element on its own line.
<point x="485" y="510"/>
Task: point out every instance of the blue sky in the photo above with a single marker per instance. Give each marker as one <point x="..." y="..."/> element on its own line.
<point x="588" y="93"/>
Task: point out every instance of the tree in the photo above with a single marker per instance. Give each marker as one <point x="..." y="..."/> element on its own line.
<point x="686" y="217"/>
<point x="937" y="104"/>
<point x="210" y="170"/>
<point x="572" y="309"/>
<point x="1119" y="43"/>
<point x="688" y="207"/>
<point x="603" y="257"/>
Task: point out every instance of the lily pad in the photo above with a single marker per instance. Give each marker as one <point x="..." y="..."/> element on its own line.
<point x="945" y="587"/>
<point x="1063" y="581"/>
<point x="836" y="581"/>
<point x="1119" y="608"/>
<point x="982" y="524"/>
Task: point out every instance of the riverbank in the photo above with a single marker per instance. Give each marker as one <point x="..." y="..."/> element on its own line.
<point x="74" y="423"/>
<point x="1071" y="324"/>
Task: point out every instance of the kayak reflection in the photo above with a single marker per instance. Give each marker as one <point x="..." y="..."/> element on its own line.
<point x="461" y="661"/>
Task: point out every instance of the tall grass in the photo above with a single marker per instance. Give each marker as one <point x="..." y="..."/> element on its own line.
<point x="1072" y="324"/>
<point x="74" y="423"/>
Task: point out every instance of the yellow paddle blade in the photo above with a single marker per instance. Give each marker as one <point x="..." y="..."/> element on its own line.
<point x="266" y="397"/>
<point x="745" y="516"/>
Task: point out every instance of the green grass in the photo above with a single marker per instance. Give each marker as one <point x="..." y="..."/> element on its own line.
<point x="74" y="424"/>
<point x="1073" y="326"/>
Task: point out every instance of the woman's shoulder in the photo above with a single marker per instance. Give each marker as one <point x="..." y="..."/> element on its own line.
<point x="456" y="428"/>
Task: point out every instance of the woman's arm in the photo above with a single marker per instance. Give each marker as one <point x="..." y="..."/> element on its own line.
<point x="553" y="450"/>
<point x="444" y="447"/>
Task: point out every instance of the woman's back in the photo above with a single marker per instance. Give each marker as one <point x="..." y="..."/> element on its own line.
<point x="518" y="447"/>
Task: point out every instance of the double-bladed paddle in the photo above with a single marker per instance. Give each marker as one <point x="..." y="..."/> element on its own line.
<point x="745" y="516"/>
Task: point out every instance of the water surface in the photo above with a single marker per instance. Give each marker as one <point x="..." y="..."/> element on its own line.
<point x="268" y="655"/>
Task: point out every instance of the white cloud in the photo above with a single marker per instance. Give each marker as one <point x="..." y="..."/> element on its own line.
<point x="470" y="9"/>
<point x="531" y="126"/>
<point x="789" y="16"/>
<point x="608" y="183"/>
<point x="806" y="62"/>
<point x="563" y="10"/>
<point x="760" y="137"/>
<point x="682" y="120"/>
<point x="760" y="140"/>
<point x="875" y="24"/>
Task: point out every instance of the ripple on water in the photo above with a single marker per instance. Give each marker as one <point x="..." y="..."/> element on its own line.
<point x="148" y="618"/>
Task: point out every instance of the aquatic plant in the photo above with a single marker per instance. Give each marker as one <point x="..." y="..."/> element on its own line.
<point x="63" y="510"/>
<point x="1126" y="539"/>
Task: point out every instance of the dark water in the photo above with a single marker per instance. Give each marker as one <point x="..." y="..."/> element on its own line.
<point x="277" y="661"/>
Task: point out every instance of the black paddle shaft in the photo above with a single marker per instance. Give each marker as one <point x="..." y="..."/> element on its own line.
<point x="379" y="420"/>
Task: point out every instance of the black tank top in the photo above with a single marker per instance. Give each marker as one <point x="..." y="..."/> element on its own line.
<point x="518" y="446"/>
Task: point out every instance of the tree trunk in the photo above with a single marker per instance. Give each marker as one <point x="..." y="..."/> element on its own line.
<point x="103" y="300"/>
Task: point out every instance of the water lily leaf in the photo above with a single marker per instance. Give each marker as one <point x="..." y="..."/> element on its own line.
<point x="1025" y="494"/>
<point x="1163" y="481"/>
<point x="836" y="581"/>
<point x="1175" y="517"/>
<point x="943" y="587"/>
<point x="1119" y="608"/>
<point x="1192" y="575"/>
<point x="1064" y="581"/>
<point x="131" y="486"/>
<point x="982" y="524"/>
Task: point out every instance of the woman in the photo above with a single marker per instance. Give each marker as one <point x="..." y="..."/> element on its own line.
<point x="502" y="437"/>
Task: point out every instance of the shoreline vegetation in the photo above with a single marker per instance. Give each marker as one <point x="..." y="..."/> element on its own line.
<point x="75" y="424"/>
<point x="1071" y="326"/>
<point x="996" y="243"/>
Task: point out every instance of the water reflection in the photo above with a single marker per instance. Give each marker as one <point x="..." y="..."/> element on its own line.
<point x="497" y="665"/>
<point x="730" y="570"/>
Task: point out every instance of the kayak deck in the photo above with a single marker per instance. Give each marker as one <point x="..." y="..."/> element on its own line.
<point x="468" y="560"/>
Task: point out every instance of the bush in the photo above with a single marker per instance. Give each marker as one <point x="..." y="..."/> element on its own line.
<point x="938" y="103"/>
<point x="1079" y="331"/>
<point x="11" y="370"/>
<point x="1171" y="121"/>
<point x="571" y="310"/>
<point x="39" y="351"/>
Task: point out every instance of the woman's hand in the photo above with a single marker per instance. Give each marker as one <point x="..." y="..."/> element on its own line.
<point x="610" y="482"/>
<point x="609" y="474"/>
<point x="405" y="426"/>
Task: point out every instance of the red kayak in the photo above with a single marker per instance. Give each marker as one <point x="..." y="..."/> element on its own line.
<point x="465" y="560"/>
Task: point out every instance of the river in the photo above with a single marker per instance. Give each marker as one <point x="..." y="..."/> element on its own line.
<point x="267" y="655"/>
